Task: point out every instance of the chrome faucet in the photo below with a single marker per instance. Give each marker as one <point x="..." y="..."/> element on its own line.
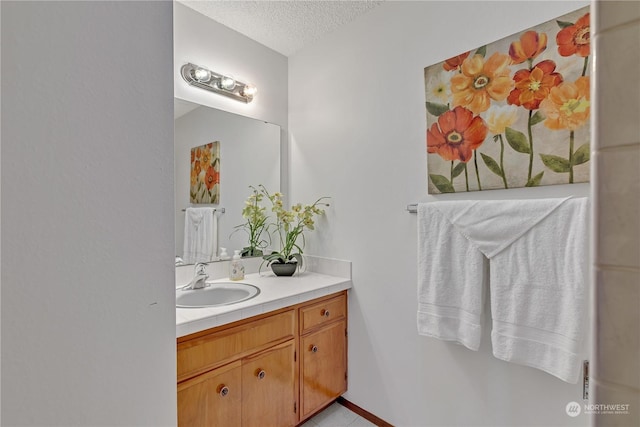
<point x="199" y="278"/>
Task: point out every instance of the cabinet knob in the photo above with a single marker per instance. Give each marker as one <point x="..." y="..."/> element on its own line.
<point x="224" y="390"/>
<point x="325" y="313"/>
<point x="261" y="374"/>
<point x="314" y="349"/>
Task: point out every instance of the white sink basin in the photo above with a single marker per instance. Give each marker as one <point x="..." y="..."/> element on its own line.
<point x="216" y="293"/>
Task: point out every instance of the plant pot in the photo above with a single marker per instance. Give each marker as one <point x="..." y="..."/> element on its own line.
<point x="284" y="269"/>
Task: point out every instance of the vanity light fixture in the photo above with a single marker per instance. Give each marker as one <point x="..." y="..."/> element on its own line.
<point x="209" y="80"/>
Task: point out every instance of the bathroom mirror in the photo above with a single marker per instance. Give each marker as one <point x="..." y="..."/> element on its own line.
<point x="249" y="155"/>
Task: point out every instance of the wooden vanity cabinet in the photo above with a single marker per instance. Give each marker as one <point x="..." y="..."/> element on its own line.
<point x="272" y="370"/>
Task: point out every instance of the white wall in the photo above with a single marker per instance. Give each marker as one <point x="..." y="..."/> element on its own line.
<point x="357" y="133"/>
<point x="0" y="227"/>
<point x="88" y="315"/>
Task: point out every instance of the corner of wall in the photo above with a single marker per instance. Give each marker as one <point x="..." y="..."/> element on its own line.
<point x="616" y="229"/>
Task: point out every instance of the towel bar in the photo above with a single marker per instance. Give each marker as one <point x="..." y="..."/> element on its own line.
<point x="413" y="208"/>
<point x="221" y="210"/>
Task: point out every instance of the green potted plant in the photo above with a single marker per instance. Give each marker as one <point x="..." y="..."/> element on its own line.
<point x="290" y="226"/>
<point x="255" y="225"/>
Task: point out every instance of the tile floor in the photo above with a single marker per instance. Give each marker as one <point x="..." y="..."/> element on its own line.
<point x="337" y="415"/>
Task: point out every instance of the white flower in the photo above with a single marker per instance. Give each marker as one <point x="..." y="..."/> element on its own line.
<point x="438" y="87"/>
<point x="499" y="118"/>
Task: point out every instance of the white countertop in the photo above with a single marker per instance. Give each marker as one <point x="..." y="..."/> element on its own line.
<point x="275" y="293"/>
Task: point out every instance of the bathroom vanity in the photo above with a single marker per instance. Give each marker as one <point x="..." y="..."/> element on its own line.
<point x="274" y="360"/>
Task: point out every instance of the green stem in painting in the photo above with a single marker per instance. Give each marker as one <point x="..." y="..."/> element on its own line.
<point x="475" y="162"/>
<point x="530" y="146"/>
<point x="504" y="178"/>
<point x="584" y="68"/>
<point x="466" y="176"/>
<point x="571" y="137"/>
<point x="451" y="173"/>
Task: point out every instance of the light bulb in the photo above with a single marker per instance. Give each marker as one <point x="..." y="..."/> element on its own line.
<point x="227" y="83"/>
<point x="202" y="75"/>
<point x="249" y="90"/>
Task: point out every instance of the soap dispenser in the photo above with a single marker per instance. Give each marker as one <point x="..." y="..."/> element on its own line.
<point x="236" y="269"/>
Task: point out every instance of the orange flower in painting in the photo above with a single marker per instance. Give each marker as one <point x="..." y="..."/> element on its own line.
<point x="455" y="62"/>
<point x="481" y="81"/>
<point x="532" y="86"/>
<point x="530" y="45"/>
<point x="456" y="134"/>
<point x="197" y="168"/>
<point x="194" y="177"/>
<point x="205" y="156"/>
<point x="567" y="106"/>
<point x="575" y="39"/>
<point x="211" y="178"/>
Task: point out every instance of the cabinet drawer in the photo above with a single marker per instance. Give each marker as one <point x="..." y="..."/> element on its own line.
<point x="201" y="354"/>
<point x="323" y="312"/>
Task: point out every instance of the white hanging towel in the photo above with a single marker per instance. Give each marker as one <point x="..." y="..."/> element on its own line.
<point x="200" y="235"/>
<point x="537" y="278"/>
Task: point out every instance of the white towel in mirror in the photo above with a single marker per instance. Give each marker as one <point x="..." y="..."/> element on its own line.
<point x="200" y="235"/>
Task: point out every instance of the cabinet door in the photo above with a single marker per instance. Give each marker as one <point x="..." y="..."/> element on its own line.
<point x="323" y="355"/>
<point x="268" y="388"/>
<point x="212" y="399"/>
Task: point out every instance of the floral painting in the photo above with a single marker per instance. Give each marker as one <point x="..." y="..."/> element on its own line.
<point x="205" y="173"/>
<point x="513" y="113"/>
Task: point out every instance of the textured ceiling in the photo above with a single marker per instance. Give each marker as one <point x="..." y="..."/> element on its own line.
<point x="284" y="26"/>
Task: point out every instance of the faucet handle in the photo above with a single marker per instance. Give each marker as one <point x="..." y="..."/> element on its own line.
<point x="201" y="268"/>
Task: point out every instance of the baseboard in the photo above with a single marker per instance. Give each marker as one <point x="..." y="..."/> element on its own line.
<point x="363" y="413"/>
